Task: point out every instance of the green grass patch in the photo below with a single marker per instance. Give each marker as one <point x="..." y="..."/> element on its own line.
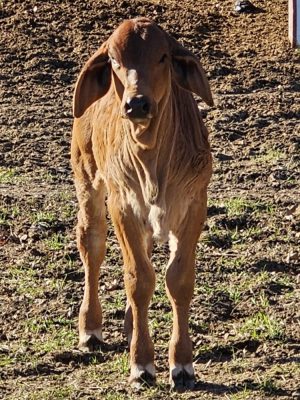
<point x="272" y="156"/>
<point x="69" y="205"/>
<point x="115" y="302"/>
<point x="7" y="214"/>
<point x="262" y="326"/>
<point x="26" y="281"/>
<point x="7" y="175"/>
<point x="243" y="283"/>
<point x="43" y="216"/>
<point x="6" y="360"/>
<point x="116" y="396"/>
<point x="58" y="393"/>
<point x="56" y="242"/>
<point x="120" y="364"/>
<point x="234" y="263"/>
<point x="267" y="385"/>
<point x="50" y="334"/>
<point x="237" y="206"/>
<point x="246" y="394"/>
<point x="227" y="238"/>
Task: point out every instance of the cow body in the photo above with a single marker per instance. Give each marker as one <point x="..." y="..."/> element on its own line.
<point x="139" y="141"/>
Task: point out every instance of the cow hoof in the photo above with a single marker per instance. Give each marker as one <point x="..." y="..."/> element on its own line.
<point x="182" y="379"/>
<point x="142" y="377"/>
<point x="91" y="341"/>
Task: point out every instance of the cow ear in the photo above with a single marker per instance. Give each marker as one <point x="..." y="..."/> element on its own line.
<point x="189" y="73"/>
<point x="93" y="82"/>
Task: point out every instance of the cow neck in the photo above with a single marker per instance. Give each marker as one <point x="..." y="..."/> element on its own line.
<point x="151" y="152"/>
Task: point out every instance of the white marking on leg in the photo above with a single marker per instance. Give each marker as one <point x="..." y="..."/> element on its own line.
<point x="84" y="337"/>
<point x="137" y="370"/>
<point x="177" y="368"/>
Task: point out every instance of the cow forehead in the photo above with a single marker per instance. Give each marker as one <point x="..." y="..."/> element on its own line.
<point x="138" y="38"/>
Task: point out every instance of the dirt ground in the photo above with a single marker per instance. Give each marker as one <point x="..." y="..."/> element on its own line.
<point x="245" y="320"/>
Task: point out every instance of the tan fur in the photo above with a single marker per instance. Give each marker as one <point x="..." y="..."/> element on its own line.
<point x="154" y="173"/>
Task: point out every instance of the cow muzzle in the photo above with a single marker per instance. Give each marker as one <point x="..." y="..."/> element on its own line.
<point x="138" y="109"/>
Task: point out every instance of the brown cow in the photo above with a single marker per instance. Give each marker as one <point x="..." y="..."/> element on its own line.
<point x="139" y="140"/>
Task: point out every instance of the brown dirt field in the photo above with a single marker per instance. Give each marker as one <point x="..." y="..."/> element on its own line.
<point x="245" y="320"/>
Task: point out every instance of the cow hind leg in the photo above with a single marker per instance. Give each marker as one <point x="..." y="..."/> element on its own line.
<point x="91" y="236"/>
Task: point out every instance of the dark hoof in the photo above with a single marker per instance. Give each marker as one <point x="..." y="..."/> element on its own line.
<point x="144" y="380"/>
<point x="91" y="345"/>
<point x="183" y="382"/>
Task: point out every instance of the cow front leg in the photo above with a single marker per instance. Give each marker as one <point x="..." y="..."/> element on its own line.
<point x="180" y="278"/>
<point x="128" y="321"/>
<point x="139" y="278"/>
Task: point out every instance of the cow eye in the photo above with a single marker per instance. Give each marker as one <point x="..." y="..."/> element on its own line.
<point x="114" y="62"/>
<point x="162" y="60"/>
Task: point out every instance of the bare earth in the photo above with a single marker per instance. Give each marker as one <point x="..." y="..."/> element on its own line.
<point x="245" y="319"/>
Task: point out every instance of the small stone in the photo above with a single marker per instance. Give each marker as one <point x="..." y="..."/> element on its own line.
<point x="23" y="238"/>
<point x="244" y="6"/>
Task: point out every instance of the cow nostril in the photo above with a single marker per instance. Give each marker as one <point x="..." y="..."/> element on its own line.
<point x="137" y="107"/>
<point x="146" y="107"/>
<point x="127" y="107"/>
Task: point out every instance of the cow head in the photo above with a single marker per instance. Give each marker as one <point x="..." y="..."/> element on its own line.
<point x="140" y="60"/>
